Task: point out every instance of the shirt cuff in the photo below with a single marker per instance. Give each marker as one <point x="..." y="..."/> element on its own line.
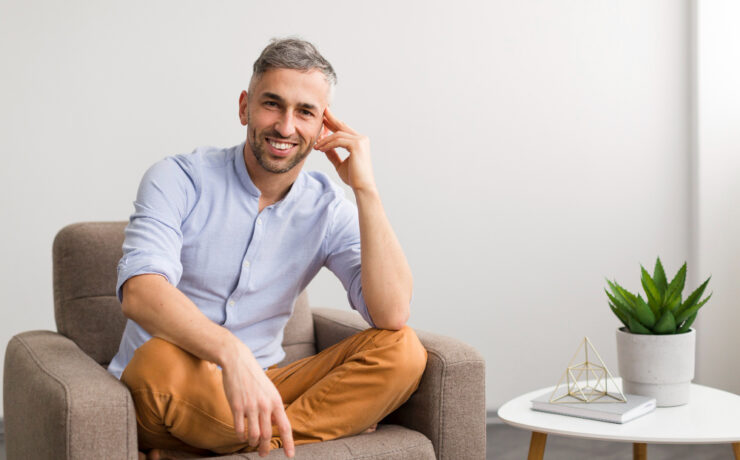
<point x="128" y="271"/>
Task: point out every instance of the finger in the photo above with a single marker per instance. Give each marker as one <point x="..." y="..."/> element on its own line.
<point x="330" y="120"/>
<point x="286" y="432"/>
<point x="266" y="434"/>
<point x="338" y="135"/>
<point x="334" y="157"/>
<point x="334" y="121"/>
<point x="347" y="144"/>
<point x="253" y="427"/>
<point x="323" y="134"/>
<point x="239" y="424"/>
<point x="320" y="141"/>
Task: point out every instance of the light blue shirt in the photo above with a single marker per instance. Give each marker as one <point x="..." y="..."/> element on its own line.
<point x="197" y="222"/>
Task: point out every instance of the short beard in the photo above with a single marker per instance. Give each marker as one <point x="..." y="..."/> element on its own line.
<point x="262" y="156"/>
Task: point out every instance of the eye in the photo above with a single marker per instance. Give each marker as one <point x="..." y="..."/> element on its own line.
<point x="270" y="104"/>
<point x="306" y="113"/>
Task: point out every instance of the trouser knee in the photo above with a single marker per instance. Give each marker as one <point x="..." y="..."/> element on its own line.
<point x="408" y="355"/>
<point x="157" y="362"/>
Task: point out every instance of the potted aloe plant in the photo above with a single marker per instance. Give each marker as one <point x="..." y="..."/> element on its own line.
<point x="656" y="347"/>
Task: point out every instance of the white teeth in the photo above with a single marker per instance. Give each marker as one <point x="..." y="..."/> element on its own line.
<point x="280" y="145"/>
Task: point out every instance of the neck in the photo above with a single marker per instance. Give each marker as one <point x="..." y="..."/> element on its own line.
<point x="272" y="186"/>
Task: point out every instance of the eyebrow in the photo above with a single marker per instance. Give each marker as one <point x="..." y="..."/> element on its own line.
<point x="278" y="98"/>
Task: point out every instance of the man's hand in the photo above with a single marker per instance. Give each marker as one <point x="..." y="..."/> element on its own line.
<point x="251" y="394"/>
<point x="356" y="170"/>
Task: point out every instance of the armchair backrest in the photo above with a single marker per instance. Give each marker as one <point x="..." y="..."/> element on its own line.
<point x="87" y="310"/>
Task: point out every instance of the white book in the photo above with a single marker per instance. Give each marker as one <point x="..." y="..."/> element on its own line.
<point x="614" y="412"/>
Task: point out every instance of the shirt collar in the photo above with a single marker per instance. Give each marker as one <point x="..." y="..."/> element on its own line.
<point x="295" y="189"/>
<point x="241" y="171"/>
<point x="246" y="180"/>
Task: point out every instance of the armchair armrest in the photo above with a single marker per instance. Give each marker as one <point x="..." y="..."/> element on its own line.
<point x="60" y="404"/>
<point x="332" y="326"/>
<point x="449" y="405"/>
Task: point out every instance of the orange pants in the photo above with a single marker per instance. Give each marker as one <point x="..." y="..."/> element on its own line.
<point x="180" y="400"/>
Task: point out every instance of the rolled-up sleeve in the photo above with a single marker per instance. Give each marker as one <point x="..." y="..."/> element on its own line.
<point x="153" y="237"/>
<point x="343" y="254"/>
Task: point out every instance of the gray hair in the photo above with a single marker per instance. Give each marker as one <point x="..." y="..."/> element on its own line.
<point x="292" y="53"/>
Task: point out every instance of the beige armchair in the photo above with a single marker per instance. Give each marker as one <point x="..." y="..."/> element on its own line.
<point x="61" y="403"/>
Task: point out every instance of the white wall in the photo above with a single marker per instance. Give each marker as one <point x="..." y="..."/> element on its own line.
<point x="524" y="150"/>
<point x="718" y="52"/>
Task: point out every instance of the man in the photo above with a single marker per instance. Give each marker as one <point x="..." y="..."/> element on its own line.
<point x="221" y="243"/>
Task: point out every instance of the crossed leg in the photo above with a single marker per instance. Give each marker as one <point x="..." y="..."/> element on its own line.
<point x="344" y="390"/>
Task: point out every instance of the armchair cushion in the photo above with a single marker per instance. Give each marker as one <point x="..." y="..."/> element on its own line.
<point x="389" y="442"/>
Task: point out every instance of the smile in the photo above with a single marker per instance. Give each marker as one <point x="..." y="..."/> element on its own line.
<point x="280" y="145"/>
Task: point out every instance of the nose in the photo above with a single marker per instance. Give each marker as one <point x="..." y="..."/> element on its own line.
<point x="286" y="124"/>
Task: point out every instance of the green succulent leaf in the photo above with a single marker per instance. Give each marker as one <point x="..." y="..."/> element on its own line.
<point x="693" y="298"/>
<point x="619" y="303"/>
<point x="686" y="324"/>
<point x="625" y="295"/>
<point x="611" y="286"/>
<point x="673" y="303"/>
<point x="663" y="310"/>
<point x="675" y="288"/>
<point x="623" y="298"/>
<point x="643" y="313"/>
<point x="691" y="311"/>
<point x="633" y="306"/>
<point x="651" y="290"/>
<point x="624" y="318"/>
<point x="637" y="328"/>
<point x="659" y="277"/>
<point x="622" y="313"/>
<point x="666" y="324"/>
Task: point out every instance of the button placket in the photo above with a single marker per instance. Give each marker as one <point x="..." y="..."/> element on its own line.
<point x="257" y="233"/>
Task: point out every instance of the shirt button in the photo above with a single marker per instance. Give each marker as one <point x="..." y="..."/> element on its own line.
<point x="245" y="264"/>
<point x="231" y="303"/>
<point x="259" y="221"/>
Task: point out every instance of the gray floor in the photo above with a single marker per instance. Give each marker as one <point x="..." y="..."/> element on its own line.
<point x="509" y="443"/>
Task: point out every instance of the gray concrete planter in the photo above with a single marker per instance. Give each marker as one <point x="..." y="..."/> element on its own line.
<point x="661" y="366"/>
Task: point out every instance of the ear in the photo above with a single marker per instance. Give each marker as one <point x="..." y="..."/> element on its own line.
<point x="243" y="107"/>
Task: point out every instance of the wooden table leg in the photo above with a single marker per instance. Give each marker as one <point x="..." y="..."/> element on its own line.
<point x="736" y="450"/>
<point x="537" y="446"/>
<point x="639" y="451"/>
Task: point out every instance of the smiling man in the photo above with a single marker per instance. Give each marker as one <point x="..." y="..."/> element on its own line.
<point x="221" y="243"/>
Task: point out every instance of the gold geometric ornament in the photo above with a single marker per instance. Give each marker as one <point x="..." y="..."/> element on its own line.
<point x="587" y="381"/>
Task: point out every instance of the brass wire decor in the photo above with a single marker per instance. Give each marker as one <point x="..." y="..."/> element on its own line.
<point x="587" y="381"/>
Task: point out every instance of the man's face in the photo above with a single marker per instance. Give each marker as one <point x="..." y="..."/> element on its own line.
<point x="284" y="116"/>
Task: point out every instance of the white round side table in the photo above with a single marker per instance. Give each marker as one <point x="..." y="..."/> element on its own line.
<point x="712" y="416"/>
